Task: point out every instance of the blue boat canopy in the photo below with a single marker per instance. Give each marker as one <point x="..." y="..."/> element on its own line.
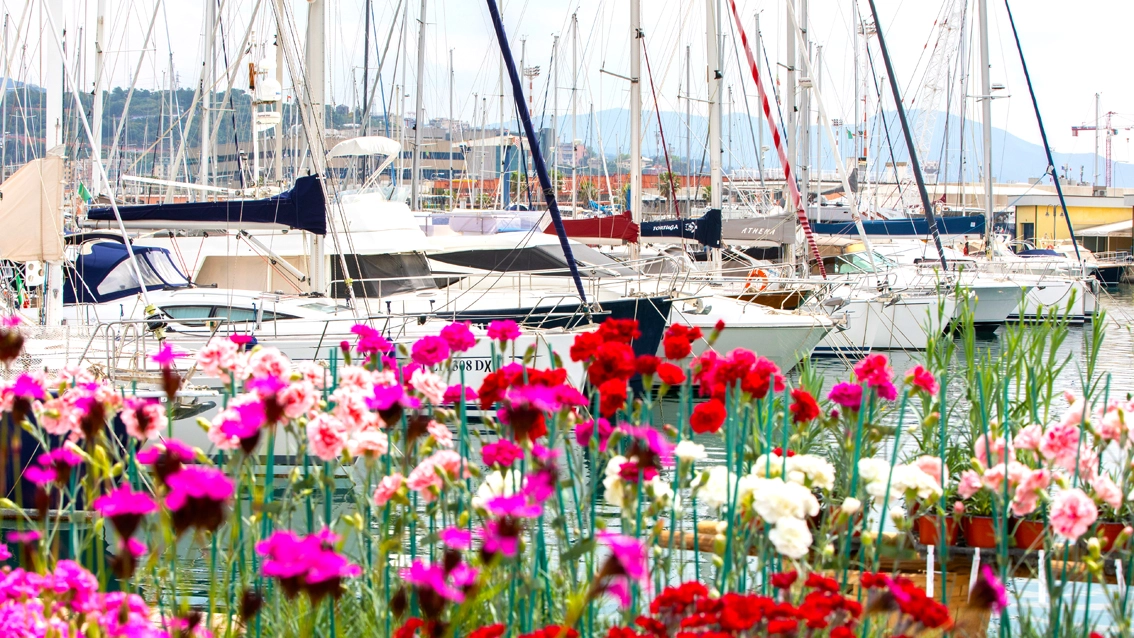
<point x="706" y="229"/>
<point x="102" y="272"/>
<point x="911" y="227"/>
<point x="302" y="208"/>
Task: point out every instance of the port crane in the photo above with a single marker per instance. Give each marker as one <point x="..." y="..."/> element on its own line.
<point x="1111" y="131"/>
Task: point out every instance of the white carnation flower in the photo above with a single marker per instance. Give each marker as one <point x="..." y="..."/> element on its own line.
<point x="497" y="484"/>
<point x="873" y="470"/>
<point x="689" y="451"/>
<point x="816" y="472"/>
<point x="791" y="537"/>
<point x="912" y="479"/>
<point x="613" y="491"/>
<point x="773" y="499"/>
<point x="768" y="465"/>
<point x="851" y="506"/>
<point x="715" y="492"/>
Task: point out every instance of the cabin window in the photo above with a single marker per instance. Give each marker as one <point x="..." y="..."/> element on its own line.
<point x="198" y="315"/>
<point x="544" y="260"/>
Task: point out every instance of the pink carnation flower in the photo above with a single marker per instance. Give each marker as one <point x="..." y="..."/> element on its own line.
<point x="1060" y="444"/>
<point x="1072" y="513"/>
<point x="143" y="418"/>
<point x="440" y="433"/>
<point x="1107" y="491"/>
<point x="220" y="358"/>
<point x="502" y="453"/>
<point x="922" y="379"/>
<point x="970" y="484"/>
<point x="370" y="442"/>
<point x="269" y="362"/>
<point x="1028" y="438"/>
<point x="326" y="436"/>
<point x="429" y="385"/>
<point x="932" y="466"/>
<point x="387" y="488"/>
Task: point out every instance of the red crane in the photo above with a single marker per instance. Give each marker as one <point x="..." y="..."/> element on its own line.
<point x="1110" y="132"/>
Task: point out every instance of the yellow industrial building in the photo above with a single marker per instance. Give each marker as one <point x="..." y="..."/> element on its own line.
<point x="1039" y="218"/>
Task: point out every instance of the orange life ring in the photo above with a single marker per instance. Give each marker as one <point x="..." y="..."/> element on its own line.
<point x="756" y="273"/>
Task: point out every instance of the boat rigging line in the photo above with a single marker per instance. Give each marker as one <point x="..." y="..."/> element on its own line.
<point x="931" y="220"/>
<point x="533" y="144"/>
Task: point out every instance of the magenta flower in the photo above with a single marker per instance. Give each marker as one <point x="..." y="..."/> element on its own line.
<point x="56" y="464"/>
<point x="26" y="387"/>
<point x="502" y="453"/>
<point x="385" y="397"/>
<point x="456" y="538"/>
<point x="5" y="553"/>
<point x="430" y="350"/>
<point x="504" y="330"/>
<point x="241" y="340"/>
<point x="166" y="356"/>
<point x="309" y="564"/>
<point x="620" y="589"/>
<point x="584" y="432"/>
<point x="370" y="341"/>
<point x="539" y="486"/>
<point x="166" y="458"/>
<point x="847" y="395"/>
<point x="501" y="537"/>
<point x="9" y="321"/>
<point x="628" y="553"/>
<point x="125" y="509"/>
<point x="534" y="397"/>
<point x="650" y="446"/>
<point x="459" y="337"/>
<point x="24" y="537"/>
<point x="453" y="395"/>
<point x="197" y="498"/>
<point x="988" y="592"/>
<point x="514" y="506"/>
<point x="431" y="578"/>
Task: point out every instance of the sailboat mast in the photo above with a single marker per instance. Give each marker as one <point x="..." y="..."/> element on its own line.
<point x="207" y="71"/>
<point x="635" y="202"/>
<point x="452" y="197"/>
<point x="555" y="114"/>
<point x="315" y="67"/>
<point x="51" y="59"/>
<point x="279" y="139"/>
<point x="688" y="132"/>
<point x="986" y="132"/>
<point x="96" y="106"/>
<point x="574" y="117"/>
<point x="419" y="121"/>
<point x="804" y="145"/>
<point x="713" y="59"/>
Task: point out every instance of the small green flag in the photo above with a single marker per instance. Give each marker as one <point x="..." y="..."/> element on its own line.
<point x="850" y="134"/>
<point x="84" y="193"/>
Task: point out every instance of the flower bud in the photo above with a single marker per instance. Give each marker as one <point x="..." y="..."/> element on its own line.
<point x="851" y="506"/>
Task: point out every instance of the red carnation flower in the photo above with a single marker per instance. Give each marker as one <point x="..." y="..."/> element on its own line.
<point x="707" y="416"/>
<point x="612" y="396"/>
<point x="647" y="364"/>
<point x="803" y="407"/>
<point x="671" y="374"/>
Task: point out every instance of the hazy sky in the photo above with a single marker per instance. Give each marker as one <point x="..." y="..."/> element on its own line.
<point x="1073" y="52"/>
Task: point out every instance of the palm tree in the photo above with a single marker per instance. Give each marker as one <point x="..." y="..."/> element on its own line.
<point x="667" y="184"/>
<point x="587" y="191"/>
<point x="707" y="192"/>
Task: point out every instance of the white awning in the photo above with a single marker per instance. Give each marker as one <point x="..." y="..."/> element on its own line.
<point x="363" y="146"/>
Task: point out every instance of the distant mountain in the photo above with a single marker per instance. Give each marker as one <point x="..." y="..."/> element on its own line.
<point x="1014" y="159"/>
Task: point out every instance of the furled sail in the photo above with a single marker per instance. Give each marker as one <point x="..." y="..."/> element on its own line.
<point x="30" y="201"/>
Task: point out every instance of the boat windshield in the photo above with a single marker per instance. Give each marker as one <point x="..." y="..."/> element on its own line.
<point x="382" y="274"/>
<point x="855" y="263"/>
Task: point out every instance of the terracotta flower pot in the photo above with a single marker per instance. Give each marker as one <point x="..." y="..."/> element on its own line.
<point x="1029" y="535"/>
<point x="928" y="528"/>
<point x="980" y="531"/>
<point x="1110" y="532"/>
